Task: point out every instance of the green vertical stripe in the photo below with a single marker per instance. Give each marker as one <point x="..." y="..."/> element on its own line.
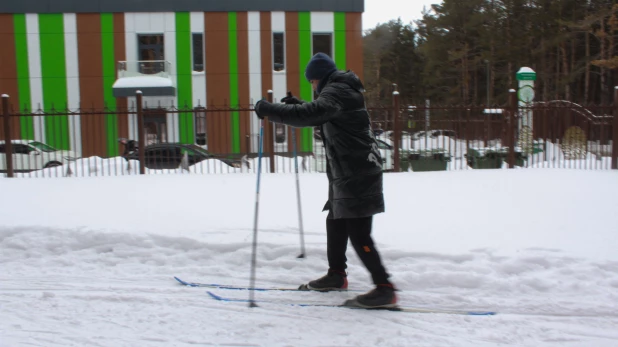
<point x="234" y="97"/>
<point x="23" y="74"/>
<point x="340" y="43"/>
<point x="53" y="69"/>
<point x="109" y="77"/>
<point x="184" y="70"/>
<point x="305" y="54"/>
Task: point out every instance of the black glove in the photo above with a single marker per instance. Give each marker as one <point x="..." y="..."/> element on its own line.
<point x="291" y="100"/>
<point x="257" y="109"/>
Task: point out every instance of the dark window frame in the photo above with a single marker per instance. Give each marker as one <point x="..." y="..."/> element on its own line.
<point x="278" y="42"/>
<point x="320" y="47"/>
<point x="281" y="132"/>
<point x="156" y="119"/>
<point x="197" y="61"/>
<point x="158" y="50"/>
<point x="200" y="120"/>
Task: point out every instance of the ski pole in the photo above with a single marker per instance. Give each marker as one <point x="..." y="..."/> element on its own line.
<point x="255" y="219"/>
<point x="300" y="211"/>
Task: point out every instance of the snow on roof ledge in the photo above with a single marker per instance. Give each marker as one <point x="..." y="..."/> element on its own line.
<point x="526" y="69"/>
<point x="149" y="85"/>
<point x="143" y="81"/>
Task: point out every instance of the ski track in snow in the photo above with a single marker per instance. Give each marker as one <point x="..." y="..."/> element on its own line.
<point x="78" y="287"/>
<point x="537" y="246"/>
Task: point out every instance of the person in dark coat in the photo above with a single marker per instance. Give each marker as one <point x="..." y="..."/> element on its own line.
<point x="354" y="171"/>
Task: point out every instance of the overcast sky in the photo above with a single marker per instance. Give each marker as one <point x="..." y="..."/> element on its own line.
<point x="381" y="11"/>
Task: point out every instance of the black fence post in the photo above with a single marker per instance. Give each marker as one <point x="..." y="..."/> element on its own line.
<point x="270" y="144"/>
<point x="396" y="130"/>
<point x="8" y="145"/>
<point x="141" y="141"/>
<point x="511" y="124"/>
<point x="615" y="132"/>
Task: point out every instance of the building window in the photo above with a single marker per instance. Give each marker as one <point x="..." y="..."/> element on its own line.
<point x="278" y="52"/>
<point x="323" y="43"/>
<point x="200" y="126"/>
<point x="155" y="125"/>
<point x="151" y="53"/>
<point x="198" y="52"/>
<point x="280" y="133"/>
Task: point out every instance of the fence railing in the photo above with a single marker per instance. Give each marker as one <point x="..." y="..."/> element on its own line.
<point x="154" y="139"/>
<point x="557" y="134"/>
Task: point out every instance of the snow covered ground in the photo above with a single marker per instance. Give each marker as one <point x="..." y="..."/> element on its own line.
<point x="90" y="261"/>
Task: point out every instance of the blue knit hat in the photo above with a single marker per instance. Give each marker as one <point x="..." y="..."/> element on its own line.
<point x="320" y="66"/>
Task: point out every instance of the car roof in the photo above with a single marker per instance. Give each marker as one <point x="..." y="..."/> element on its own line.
<point x="169" y="144"/>
<point x="178" y="145"/>
<point x="23" y="142"/>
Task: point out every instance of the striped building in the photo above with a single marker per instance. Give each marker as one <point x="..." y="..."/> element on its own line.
<point x="188" y="53"/>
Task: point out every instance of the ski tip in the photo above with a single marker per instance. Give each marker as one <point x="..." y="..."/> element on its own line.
<point x="215" y="296"/>
<point x="181" y="281"/>
<point x="185" y="283"/>
<point x="482" y="313"/>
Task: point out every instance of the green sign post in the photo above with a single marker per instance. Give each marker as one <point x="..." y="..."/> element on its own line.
<point x="526" y="74"/>
<point x="525" y="77"/>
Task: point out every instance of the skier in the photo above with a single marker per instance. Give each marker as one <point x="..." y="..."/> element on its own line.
<point x="354" y="173"/>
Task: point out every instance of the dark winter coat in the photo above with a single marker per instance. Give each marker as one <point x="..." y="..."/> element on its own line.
<point x="354" y="167"/>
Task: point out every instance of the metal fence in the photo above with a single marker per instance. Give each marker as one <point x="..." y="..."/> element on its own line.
<point x="555" y="134"/>
<point x="159" y="139"/>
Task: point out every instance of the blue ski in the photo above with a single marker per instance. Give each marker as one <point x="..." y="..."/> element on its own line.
<point x="396" y="309"/>
<point x="230" y="287"/>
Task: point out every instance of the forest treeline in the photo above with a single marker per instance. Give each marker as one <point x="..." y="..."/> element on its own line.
<point x="468" y="52"/>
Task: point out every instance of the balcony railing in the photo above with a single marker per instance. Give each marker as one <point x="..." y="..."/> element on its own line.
<point x="158" y="68"/>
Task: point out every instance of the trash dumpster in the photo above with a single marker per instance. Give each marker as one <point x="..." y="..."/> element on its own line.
<point x="428" y="160"/>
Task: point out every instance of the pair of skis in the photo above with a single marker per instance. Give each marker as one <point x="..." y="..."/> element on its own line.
<point x="351" y="304"/>
<point x="224" y="286"/>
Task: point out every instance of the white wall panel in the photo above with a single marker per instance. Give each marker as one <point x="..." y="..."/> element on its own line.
<point x="34" y="67"/>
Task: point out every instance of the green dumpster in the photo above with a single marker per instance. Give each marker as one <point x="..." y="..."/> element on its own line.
<point x="520" y="156"/>
<point x="483" y="158"/>
<point x="428" y="160"/>
<point x="492" y="157"/>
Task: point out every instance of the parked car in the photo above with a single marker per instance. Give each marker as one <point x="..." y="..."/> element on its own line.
<point x="386" y="151"/>
<point x="433" y="134"/>
<point x="169" y="156"/>
<point x="30" y="155"/>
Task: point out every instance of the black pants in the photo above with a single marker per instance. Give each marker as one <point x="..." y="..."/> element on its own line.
<point x="359" y="232"/>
